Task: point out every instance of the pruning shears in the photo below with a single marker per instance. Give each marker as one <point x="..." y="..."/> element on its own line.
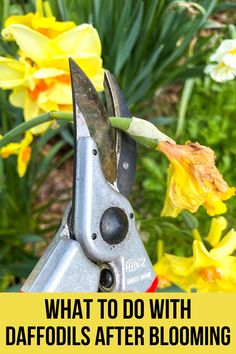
<point x="97" y="246"/>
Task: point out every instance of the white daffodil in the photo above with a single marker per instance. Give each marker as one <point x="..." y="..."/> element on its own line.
<point x="223" y="66"/>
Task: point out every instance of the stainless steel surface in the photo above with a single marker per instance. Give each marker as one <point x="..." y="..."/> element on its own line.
<point x="63" y="267"/>
<point x="86" y="99"/>
<point x="125" y="146"/>
<point x="79" y="253"/>
<point x="93" y="196"/>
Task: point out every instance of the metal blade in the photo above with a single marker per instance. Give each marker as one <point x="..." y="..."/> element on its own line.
<point x="87" y="105"/>
<point x="125" y="146"/>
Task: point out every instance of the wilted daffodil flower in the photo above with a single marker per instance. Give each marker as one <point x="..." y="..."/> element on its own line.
<point x="193" y="180"/>
<point x="22" y="150"/>
<point x="40" y="77"/>
<point x="205" y="271"/>
<point x="223" y="66"/>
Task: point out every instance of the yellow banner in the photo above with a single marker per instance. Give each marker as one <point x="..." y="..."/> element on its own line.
<point x="117" y="323"/>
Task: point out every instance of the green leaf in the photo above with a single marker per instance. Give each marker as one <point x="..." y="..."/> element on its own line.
<point x="129" y="43"/>
<point x="30" y="238"/>
<point x="47" y="160"/>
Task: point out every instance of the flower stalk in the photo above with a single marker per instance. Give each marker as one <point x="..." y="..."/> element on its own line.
<point x="142" y="131"/>
<point x="43" y="118"/>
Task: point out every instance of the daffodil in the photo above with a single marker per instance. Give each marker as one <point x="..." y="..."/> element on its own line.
<point x="45" y="24"/>
<point x="223" y="62"/>
<point x="162" y="269"/>
<point x="193" y="180"/>
<point x="22" y="150"/>
<point x="218" y="225"/>
<point x="40" y="77"/>
<point x="205" y="271"/>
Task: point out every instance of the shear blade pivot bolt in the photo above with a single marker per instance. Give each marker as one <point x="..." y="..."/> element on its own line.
<point x="114" y="225"/>
<point x="106" y="279"/>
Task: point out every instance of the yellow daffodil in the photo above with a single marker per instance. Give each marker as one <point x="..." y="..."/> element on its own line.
<point x="218" y="225"/>
<point x="205" y="271"/>
<point x="193" y="180"/>
<point x="22" y="150"/>
<point x="46" y="25"/>
<point x="40" y="78"/>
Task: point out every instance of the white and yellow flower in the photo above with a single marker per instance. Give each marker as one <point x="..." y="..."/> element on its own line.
<point x="223" y="62"/>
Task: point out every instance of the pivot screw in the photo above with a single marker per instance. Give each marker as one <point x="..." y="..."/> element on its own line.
<point x="106" y="279"/>
<point x="114" y="225"/>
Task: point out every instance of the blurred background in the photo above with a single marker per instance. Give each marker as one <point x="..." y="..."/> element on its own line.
<point x="157" y="50"/>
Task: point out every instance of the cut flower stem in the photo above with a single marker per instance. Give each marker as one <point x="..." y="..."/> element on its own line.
<point x="142" y="131"/>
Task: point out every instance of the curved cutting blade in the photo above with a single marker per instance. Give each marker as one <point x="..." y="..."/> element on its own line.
<point x="88" y="106"/>
<point x="125" y="146"/>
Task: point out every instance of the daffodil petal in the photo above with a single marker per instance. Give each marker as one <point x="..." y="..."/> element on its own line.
<point x="202" y="258"/>
<point x="230" y="59"/>
<point x="24" y="20"/>
<point x="33" y="44"/>
<point x="214" y="206"/>
<point x="225" y="285"/>
<point x="90" y="64"/>
<point x="60" y="93"/>
<point x="169" y="209"/>
<point x="182" y="192"/>
<point x="27" y="140"/>
<point x="225" y="46"/>
<point x="23" y="160"/>
<point x="31" y="109"/>
<point x="218" y="225"/>
<point x="222" y="73"/>
<point x="45" y="73"/>
<point x="180" y="265"/>
<point x="17" y="97"/>
<point x="193" y="179"/>
<point x="11" y="73"/>
<point x="226" y="246"/>
<point x="82" y="39"/>
<point x="9" y="149"/>
<point x="98" y="80"/>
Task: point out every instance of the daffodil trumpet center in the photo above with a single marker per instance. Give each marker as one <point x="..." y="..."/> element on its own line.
<point x="210" y="274"/>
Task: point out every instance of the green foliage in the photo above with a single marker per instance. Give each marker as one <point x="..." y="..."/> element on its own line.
<point x="22" y="224"/>
<point x="144" y="43"/>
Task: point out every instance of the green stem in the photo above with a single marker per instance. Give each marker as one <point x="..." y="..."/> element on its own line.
<point x="142" y="131"/>
<point x="22" y="128"/>
<point x="160" y="249"/>
<point x="196" y="235"/>
<point x="186" y="94"/>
